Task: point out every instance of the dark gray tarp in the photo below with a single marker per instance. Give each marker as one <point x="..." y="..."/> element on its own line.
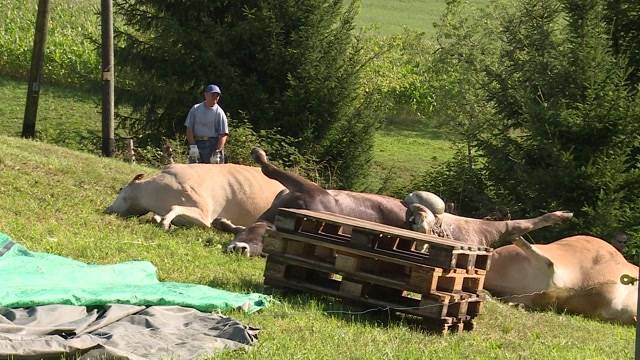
<point x="117" y="331"/>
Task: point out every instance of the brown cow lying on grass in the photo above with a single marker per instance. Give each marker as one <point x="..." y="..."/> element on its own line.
<point x="195" y="194"/>
<point x="477" y="231"/>
<point x="304" y="194"/>
<point x="579" y="274"/>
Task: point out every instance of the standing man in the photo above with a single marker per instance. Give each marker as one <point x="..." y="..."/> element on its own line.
<point x="207" y="129"/>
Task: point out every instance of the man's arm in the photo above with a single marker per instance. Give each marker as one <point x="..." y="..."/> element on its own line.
<point x="223" y="131"/>
<point x="190" y="123"/>
<point x="190" y="138"/>
<point x="222" y="139"/>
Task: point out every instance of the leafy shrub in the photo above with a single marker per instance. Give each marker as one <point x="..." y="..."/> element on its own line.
<point x="460" y="181"/>
<point x="552" y="114"/>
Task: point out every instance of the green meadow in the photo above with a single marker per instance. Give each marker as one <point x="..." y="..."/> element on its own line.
<point x="53" y="200"/>
<point x="391" y="17"/>
<point x="53" y="193"/>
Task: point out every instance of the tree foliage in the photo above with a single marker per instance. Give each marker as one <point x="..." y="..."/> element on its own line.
<point x="285" y="64"/>
<point x="555" y="116"/>
<point x="623" y="16"/>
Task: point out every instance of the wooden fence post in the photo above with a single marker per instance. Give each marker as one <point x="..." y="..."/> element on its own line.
<point x="131" y="155"/>
<point x="35" y="74"/>
<point x="167" y="150"/>
<point x="108" y="78"/>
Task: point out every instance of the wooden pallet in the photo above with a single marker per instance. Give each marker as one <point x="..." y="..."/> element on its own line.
<point x="439" y="308"/>
<point x="450" y="325"/>
<point x="347" y="233"/>
<point x="390" y="272"/>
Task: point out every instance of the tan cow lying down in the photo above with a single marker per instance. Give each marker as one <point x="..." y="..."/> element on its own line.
<point x="579" y="274"/>
<point x="195" y="194"/>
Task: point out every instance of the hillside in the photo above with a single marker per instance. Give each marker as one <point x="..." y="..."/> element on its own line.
<point x="52" y="199"/>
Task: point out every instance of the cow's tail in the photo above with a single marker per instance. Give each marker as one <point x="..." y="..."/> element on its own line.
<point x="291" y="181"/>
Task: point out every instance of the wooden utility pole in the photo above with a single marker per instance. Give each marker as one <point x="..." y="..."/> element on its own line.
<point x="35" y="74"/>
<point x="637" y="356"/>
<point x="108" y="78"/>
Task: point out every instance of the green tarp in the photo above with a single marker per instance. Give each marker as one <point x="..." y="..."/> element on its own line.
<point x="32" y="278"/>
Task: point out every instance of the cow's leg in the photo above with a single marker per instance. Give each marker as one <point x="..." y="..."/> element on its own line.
<point x="225" y="225"/>
<point x="192" y="213"/>
<point x="534" y="254"/>
<point x="516" y="228"/>
<point x="293" y="183"/>
<point x="156" y="218"/>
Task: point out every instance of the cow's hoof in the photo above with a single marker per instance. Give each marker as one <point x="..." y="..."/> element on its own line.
<point x="239" y="248"/>
<point x="166" y="225"/>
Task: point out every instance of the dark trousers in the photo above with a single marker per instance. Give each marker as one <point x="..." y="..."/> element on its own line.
<point x="207" y="148"/>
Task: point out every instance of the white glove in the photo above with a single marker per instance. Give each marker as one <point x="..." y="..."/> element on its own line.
<point x="193" y="152"/>
<point x="216" y="158"/>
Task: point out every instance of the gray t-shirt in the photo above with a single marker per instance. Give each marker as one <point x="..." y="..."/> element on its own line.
<point x="207" y="121"/>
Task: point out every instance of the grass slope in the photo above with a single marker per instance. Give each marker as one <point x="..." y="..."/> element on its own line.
<point x="52" y="198"/>
<point x="66" y="116"/>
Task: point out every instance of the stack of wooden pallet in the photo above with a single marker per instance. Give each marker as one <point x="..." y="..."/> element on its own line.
<point x="382" y="266"/>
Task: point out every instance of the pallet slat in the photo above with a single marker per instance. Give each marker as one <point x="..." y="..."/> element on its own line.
<point x="382" y="239"/>
<point x="403" y="275"/>
<point x="324" y="283"/>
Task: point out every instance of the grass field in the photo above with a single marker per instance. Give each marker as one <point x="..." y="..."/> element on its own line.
<point x="401" y="154"/>
<point x="390" y="17"/>
<point x="59" y="107"/>
<point x="53" y="198"/>
<point x="70" y="55"/>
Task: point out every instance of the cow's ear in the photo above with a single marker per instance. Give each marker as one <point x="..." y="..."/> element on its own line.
<point x="137" y="177"/>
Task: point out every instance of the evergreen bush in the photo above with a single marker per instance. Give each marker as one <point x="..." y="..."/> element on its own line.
<point x="554" y="116"/>
<point x="289" y="65"/>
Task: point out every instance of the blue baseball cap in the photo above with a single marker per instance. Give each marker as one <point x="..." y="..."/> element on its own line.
<point x="212" y="89"/>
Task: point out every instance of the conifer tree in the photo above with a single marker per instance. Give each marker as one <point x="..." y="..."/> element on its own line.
<point x="291" y="65"/>
<point x="563" y="131"/>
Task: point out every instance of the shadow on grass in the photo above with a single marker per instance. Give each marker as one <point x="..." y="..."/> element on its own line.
<point x="428" y="133"/>
<point x="352" y="311"/>
<point x="250" y="285"/>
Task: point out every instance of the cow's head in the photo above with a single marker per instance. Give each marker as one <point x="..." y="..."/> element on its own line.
<point x="246" y="240"/>
<point x="126" y="203"/>
<point x="420" y="219"/>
